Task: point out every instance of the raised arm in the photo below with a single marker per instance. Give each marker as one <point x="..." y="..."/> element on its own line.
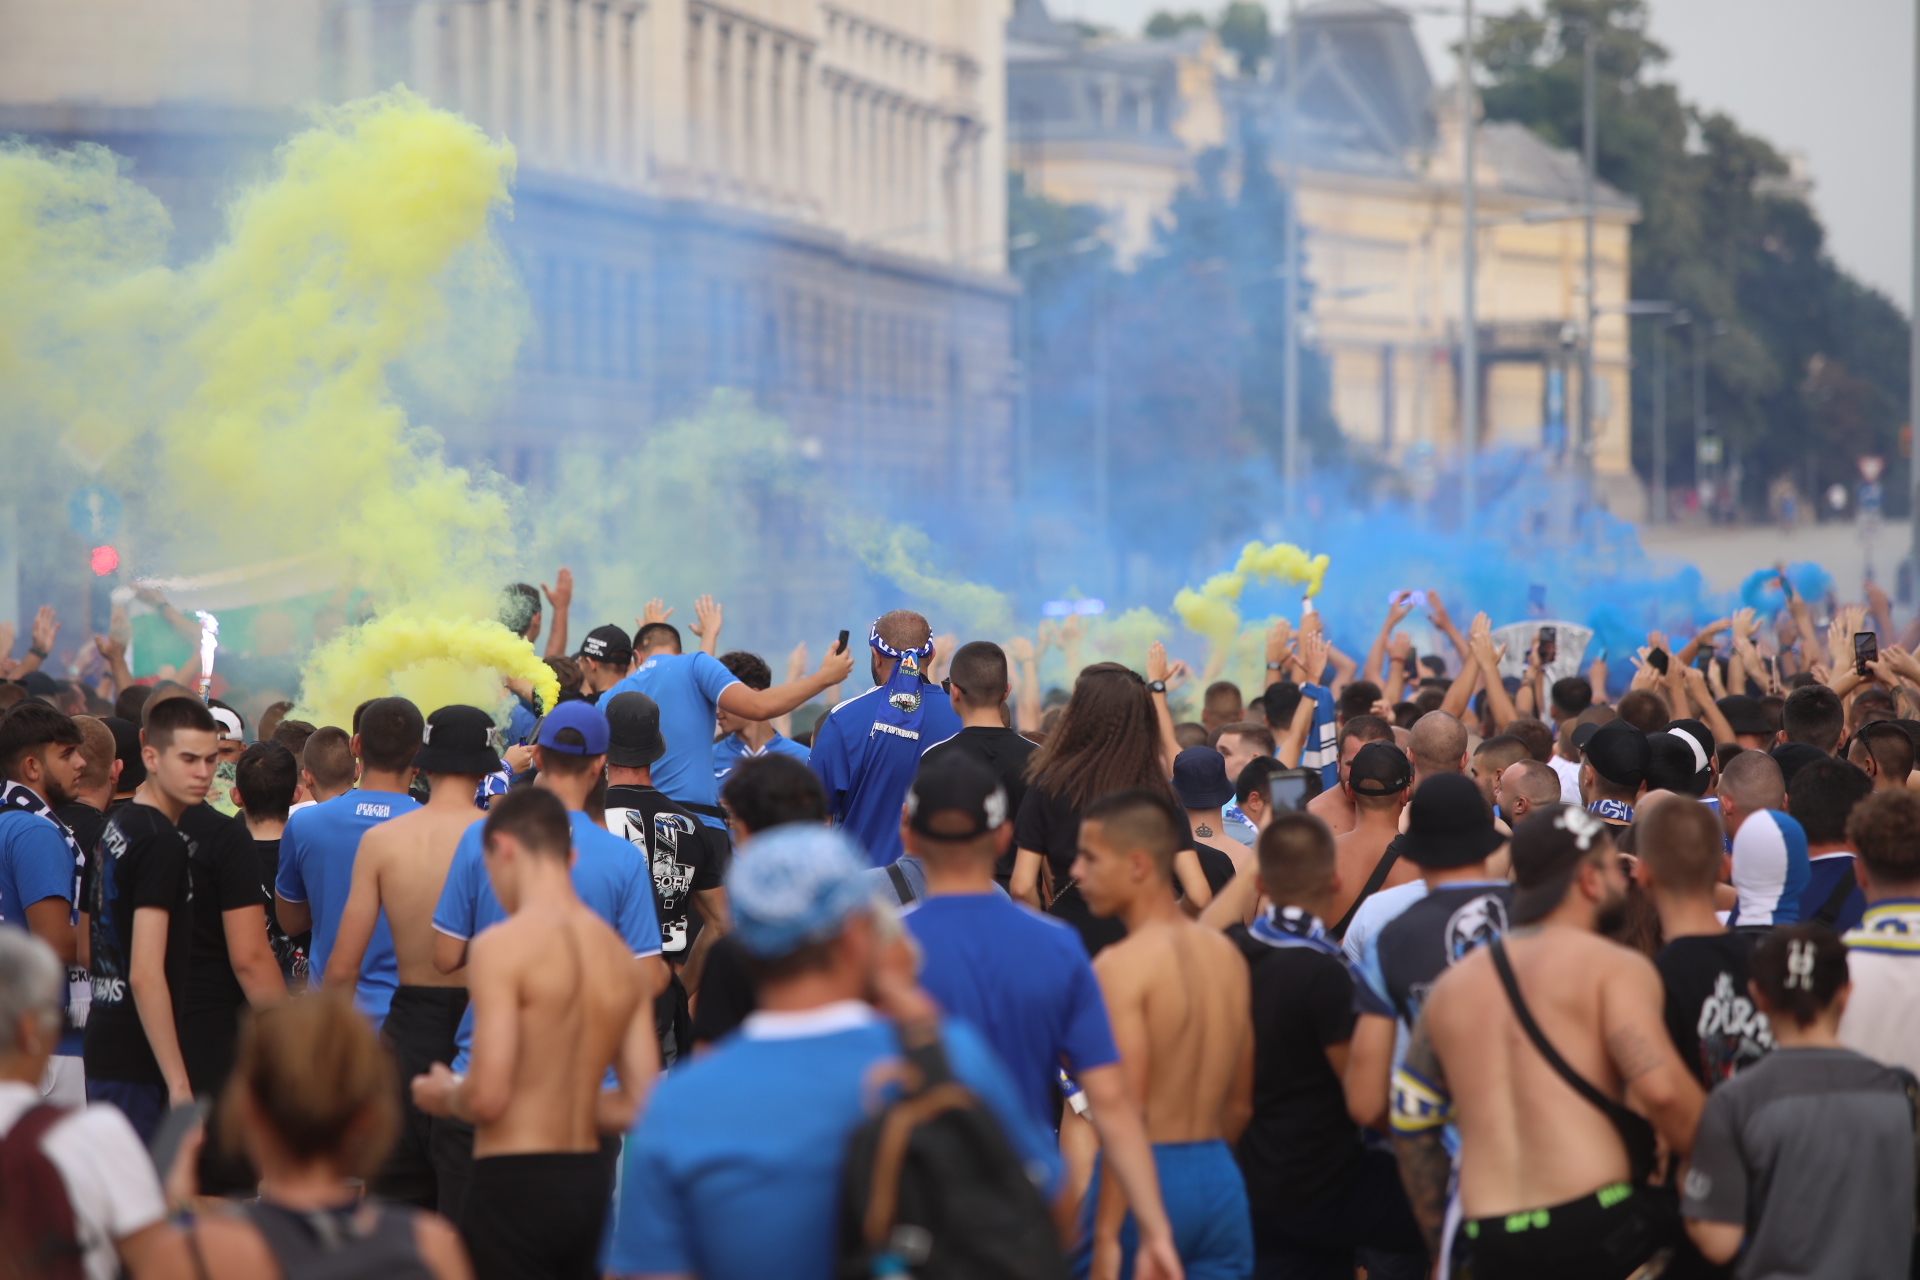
<point x="559" y="602"/>
<point x="1397" y="608"/>
<point x="1498" y="702"/>
<point x="765" y="704"/>
<point x="1026" y="705"/>
<point x="706" y="613"/>
<point x="1294" y="740"/>
<point x="1157" y="674"/>
<point x="1437" y="615"/>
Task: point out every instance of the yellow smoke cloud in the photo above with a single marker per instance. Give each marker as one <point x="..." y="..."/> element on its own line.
<point x="903" y="555"/>
<point x="1213" y="611"/>
<point x="246" y="403"/>
<point x="434" y="661"/>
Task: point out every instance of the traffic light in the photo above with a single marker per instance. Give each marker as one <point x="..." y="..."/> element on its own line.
<point x="104" y="561"/>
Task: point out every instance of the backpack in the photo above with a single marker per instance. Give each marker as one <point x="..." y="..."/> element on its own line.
<point x="38" y="1237"/>
<point x="933" y="1190"/>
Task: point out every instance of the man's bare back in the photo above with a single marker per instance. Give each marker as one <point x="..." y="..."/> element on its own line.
<point x="404" y="866"/>
<point x="1335" y="809"/>
<point x="1527" y="1140"/>
<point x="555" y="994"/>
<point x="1177" y="995"/>
<point x="1356" y="853"/>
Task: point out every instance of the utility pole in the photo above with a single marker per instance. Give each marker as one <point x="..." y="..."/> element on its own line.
<point x="1699" y="395"/>
<point x="1589" y="148"/>
<point x="1290" y="269"/>
<point x="1469" y="267"/>
<point x="1658" y="513"/>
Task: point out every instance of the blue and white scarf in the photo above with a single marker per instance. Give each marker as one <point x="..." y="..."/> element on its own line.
<point x="1611" y="810"/>
<point x="1292" y="927"/>
<point x="13" y="795"/>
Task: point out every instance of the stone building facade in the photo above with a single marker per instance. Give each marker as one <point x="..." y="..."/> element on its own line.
<point x="802" y="198"/>
<point x="1380" y="208"/>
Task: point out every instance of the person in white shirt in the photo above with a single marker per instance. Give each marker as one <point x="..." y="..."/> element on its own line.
<point x="1882" y="1018"/>
<point x="119" y="1212"/>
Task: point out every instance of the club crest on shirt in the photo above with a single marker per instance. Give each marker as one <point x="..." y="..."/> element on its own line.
<point x="903" y="702"/>
<point x="1474" y="924"/>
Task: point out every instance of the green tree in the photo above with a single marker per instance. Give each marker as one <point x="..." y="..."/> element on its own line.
<point x="1165" y="24"/>
<point x="1806" y="366"/>
<point x="1245" y="30"/>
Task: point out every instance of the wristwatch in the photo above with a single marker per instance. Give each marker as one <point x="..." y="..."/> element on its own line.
<point x="1276" y="666"/>
<point x="1156" y="686"/>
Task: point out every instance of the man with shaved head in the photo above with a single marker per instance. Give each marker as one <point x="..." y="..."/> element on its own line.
<point x="1439" y="745"/>
<point x="1752" y="781"/>
<point x="1523" y="787"/>
<point x="867" y="750"/>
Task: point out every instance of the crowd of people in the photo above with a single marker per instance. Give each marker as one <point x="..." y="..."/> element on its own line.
<point x="1408" y="966"/>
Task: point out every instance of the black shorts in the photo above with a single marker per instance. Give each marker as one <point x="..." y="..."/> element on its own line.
<point x="1607" y="1235"/>
<point x="538" y="1217"/>
<point x="419" y="1028"/>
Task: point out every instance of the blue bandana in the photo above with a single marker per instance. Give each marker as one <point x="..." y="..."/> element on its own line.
<point x="919" y="655"/>
<point x="1292" y="927"/>
<point x="1613" y="810"/>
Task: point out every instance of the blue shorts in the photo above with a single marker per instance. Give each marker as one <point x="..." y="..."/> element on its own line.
<point x="1206" y="1201"/>
<point x="142" y="1104"/>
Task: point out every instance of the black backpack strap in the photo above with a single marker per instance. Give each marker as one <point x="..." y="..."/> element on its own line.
<point x="1371" y="887"/>
<point x="1635" y="1132"/>
<point x="1837" y="900"/>
<point x="901" y="889"/>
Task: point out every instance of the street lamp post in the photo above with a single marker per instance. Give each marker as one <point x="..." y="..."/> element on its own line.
<point x="1913" y="329"/>
<point x="1589" y="146"/>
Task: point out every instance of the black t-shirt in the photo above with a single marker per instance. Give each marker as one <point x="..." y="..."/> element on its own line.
<point x="226" y="877"/>
<point x="1422" y="942"/>
<point x="143" y="863"/>
<point x="1005" y="753"/>
<point x="685" y="854"/>
<point x="290" y="952"/>
<point x="1050" y="826"/>
<point x="727" y="994"/>
<point x="1710" y="1014"/>
<point x="86" y="823"/>
<point x="1300" y="1146"/>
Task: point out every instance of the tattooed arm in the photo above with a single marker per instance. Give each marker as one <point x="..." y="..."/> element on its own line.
<point x="1657" y="1082"/>
<point x="1420" y="1111"/>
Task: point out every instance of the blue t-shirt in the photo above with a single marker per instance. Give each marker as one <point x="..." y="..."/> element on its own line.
<point x="1823" y="877"/>
<point x="687" y="688"/>
<point x="867" y="749"/>
<point x="316" y="867"/>
<point x="609" y="874"/>
<point x="1020" y="977"/>
<point x="37" y="863"/>
<point x="734" y="1170"/>
<point x="730" y="751"/>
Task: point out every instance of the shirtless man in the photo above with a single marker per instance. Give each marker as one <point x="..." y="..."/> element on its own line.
<point x="1334" y="806"/>
<point x="1177" y="995"/>
<point x="1547" y="1182"/>
<point x="400" y="870"/>
<point x="1379" y="780"/>
<point x="557" y="999"/>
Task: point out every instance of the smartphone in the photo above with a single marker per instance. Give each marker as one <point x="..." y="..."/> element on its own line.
<point x="1786" y="587"/>
<point x="841" y="647"/>
<point x="1290" y="789"/>
<point x="1548" y="642"/>
<point x="173" y="1130"/>
<point x="1658" y="660"/>
<point x="1704" y="660"/>
<point x="1866" y="648"/>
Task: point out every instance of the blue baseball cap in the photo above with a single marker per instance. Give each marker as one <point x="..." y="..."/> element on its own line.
<point x="580" y="716"/>
<point x="794" y="885"/>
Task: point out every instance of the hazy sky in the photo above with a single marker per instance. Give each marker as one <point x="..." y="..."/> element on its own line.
<point x="1832" y="79"/>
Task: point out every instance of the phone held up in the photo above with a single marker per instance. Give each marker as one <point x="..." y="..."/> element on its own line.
<point x="1866" y="649"/>
<point x="1547" y="641"/>
<point x="841" y="646"/>
<point x="1288" y="790"/>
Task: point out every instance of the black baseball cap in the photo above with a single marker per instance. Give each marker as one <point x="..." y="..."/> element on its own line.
<point x="633" y="730"/>
<point x="955" y="797"/>
<point x="1448" y="824"/>
<point x="1619" y="753"/>
<point x="1548" y="845"/>
<point x="1200" y="778"/>
<point x="1670" y="763"/>
<point x="607" y="644"/>
<point x="1745" y="715"/>
<point x="1379" y="769"/>
<point x="126" y="749"/>
<point x="459" y="739"/>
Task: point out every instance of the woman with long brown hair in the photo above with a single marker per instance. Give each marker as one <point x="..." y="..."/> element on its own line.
<point x="1115" y="734"/>
<point x="313" y="1100"/>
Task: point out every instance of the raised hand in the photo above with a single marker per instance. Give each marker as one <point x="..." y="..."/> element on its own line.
<point x="1400" y="647"/>
<point x="797" y="662"/>
<point x="657" y="610"/>
<point x="1156" y="661"/>
<point x="1019" y="650"/>
<point x="560" y="594"/>
<point x="46" y="625"/>
<point x="1178" y="673"/>
<point x="1279" y="636"/>
<point x="1437" y="611"/>
<point x="1310" y="656"/>
<point x="1402" y="606"/>
<point x="838" y="664"/>
<point x="112" y="649"/>
<point x="707" y="623"/>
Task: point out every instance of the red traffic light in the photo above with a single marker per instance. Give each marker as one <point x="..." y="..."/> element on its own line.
<point x="104" y="560"/>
